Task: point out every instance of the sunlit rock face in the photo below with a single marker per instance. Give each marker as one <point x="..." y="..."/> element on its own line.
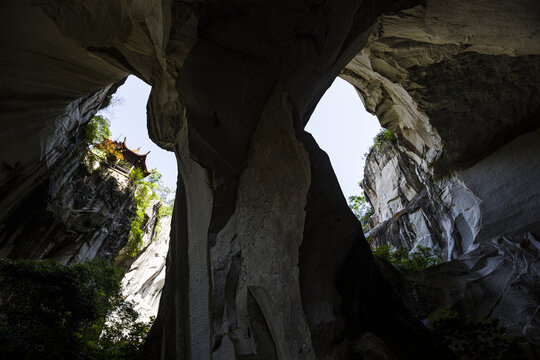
<point x="462" y="96"/>
<point x="143" y="282"/>
<point x="266" y="261"/>
<point x="485" y="219"/>
<point x="454" y="91"/>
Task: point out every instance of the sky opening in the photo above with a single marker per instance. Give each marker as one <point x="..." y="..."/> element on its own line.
<point x="340" y="125"/>
<point x="344" y="130"/>
<point x="127" y="115"/>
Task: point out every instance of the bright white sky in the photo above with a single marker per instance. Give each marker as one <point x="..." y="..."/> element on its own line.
<point x="340" y="125"/>
<point x="345" y="130"/>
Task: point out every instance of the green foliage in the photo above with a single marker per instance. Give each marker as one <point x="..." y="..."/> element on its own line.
<point x="136" y="175"/>
<point x="362" y="209"/>
<point x="148" y="189"/>
<point x="106" y="102"/>
<point x="380" y="140"/>
<point x="143" y="196"/>
<point x="423" y="258"/>
<point x="52" y="311"/>
<point x="122" y="335"/>
<point x="166" y="209"/>
<point x="473" y="340"/>
<point x="97" y="130"/>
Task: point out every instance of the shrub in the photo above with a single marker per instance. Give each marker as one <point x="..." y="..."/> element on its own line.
<point x="362" y="209"/>
<point x="136" y="175"/>
<point x="383" y="137"/>
<point x="97" y="130"/>
<point x="52" y="311"/>
<point x="143" y="196"/>
<point x="473" y="340"/>
<point x="148" y="189"/>
<point x="106" y="102"/>
<point x="423" y="258"/>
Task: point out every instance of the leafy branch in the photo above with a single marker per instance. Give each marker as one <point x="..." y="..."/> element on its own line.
<point x="422" y="258"/>
<point x="148" y="189"/>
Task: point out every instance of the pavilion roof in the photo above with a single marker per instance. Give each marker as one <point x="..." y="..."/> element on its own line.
<point x="133" y="157"/>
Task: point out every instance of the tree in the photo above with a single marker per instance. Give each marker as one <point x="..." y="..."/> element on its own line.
<point x="148" y="189"/>
<point x="422" y="258"/>
<point x="362" y="209"/>
<point x="97" y="130"/>
<point x="53" y="311"/>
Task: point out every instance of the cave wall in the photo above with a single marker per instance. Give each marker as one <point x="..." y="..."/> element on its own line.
<point x="74" y="213"/>
<point x="143" y="282"/>
<point x="484" y="218"/>
<point x="454" y="91"/>
<point x="264" y="262"/>
<point x="461" y="175"/>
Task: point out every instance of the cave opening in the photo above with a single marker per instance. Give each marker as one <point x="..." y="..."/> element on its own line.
<point x="346" y="131"/>
<point x="144" y="278"/>
<point x="127" y="116"/>
<point x="266" y="240"/>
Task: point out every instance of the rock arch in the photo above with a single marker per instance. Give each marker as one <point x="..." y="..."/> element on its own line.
<point x="261" y="244"/>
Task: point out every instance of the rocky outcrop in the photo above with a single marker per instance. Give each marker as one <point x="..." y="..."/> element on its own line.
<point x="461" y="176"/>
<point x="264" y="262"/>
<point x="454" y="101"/>
<point x="76" y="213"/>
<point x="411" y="209"/>
<point x="143" y="282"/>
<point x="474" y="219"/>
<point x="499" y="279"/>
<point x="457" y="212"/>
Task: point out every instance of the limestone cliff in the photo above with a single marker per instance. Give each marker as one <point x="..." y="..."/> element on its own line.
<point x="484" y="218"/>
<point x="454" y="212"/>
<point x="462" y="175"/>
<point x="496" y="280"/>
<point x="144" y="280"/>
<point x="266" y="261"/>
<point x="84" y="210"/>
<point x="74" y="214"/>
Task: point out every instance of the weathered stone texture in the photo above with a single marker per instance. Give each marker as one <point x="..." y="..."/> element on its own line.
<point x="73" y="215"/>
<point x="463" y="173"/>
<point x="499" y="279"/>
<point x="496" y="196"/>
<point x="256" y="228"/>
<point x="143" y="282"/>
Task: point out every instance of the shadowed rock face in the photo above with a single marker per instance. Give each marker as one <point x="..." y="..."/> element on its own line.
<point x="74" y="214"/>
<point x="497" y="280"/>
<point x="266" y="261"/>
